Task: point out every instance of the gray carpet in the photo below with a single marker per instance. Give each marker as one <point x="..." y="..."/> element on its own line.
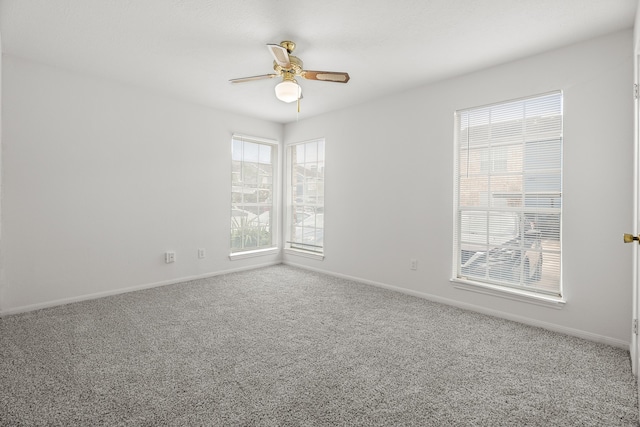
<point x="280" y="346"/>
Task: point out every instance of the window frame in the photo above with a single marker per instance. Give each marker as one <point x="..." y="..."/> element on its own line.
<point x="460" y="281"/>
<point x="289" y="246"/>
<point x="273" y="247"/>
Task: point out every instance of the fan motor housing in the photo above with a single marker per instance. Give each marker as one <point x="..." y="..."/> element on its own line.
<point x="295" y="66"/>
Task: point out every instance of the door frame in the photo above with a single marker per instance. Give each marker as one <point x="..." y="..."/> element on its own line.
<point x="634" y="348"/>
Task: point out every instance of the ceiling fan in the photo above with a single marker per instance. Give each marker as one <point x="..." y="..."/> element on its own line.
<point x="289" y="67"/>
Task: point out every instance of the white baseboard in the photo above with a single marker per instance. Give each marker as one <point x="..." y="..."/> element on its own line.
<point x="479" y="309"/>
<point x="63" y="301"/>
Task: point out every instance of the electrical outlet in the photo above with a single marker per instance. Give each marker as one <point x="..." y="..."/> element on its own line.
<point x="169" y="257"/>
<point x="413" y="264"/>
<point x="201" y="253"/>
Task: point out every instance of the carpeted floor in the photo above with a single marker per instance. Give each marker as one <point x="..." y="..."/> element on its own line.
<point x="280" y="346"/>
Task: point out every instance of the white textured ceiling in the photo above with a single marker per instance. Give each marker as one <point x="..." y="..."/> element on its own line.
<point x="191" y="48"/>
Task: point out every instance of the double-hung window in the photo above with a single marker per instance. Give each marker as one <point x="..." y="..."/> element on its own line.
<point x="508" y="194"/>
<point x="253" y="172"/>
<point x="305" y="194"/>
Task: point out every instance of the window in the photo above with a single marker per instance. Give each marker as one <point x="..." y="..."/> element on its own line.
<point x="253" y="167"/>
<point x="305" y="217"/>
<point x="508" y="194"/>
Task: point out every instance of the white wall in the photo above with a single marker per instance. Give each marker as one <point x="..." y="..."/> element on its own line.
<point x="100" y="179"/>
<point x="389" y="185"/>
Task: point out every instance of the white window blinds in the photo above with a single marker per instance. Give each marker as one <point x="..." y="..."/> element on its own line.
<point x="508" y="194"/>
<point x="253" y="169"/>
<point x="306" y="196"/>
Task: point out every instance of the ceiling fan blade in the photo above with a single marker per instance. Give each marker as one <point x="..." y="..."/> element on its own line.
<point x="326" y="76"/>
<point x="250" y="79"/>
<point x="280" y="54"/>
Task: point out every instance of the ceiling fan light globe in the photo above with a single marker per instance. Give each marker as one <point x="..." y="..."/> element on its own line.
<point x="288" y="91"/>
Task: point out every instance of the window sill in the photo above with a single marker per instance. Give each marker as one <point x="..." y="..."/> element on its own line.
<point x="306" y="254"/>
<point x="512" y="294"/>
<point x="255" y="253"/>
